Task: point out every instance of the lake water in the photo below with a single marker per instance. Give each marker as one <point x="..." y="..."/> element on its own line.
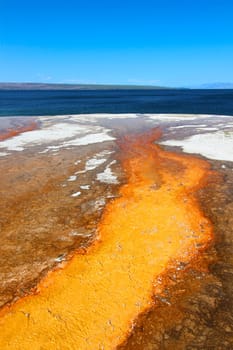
<point x="32" y="103"/>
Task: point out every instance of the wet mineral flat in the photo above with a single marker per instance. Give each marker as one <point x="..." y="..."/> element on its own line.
<point x="104" y="234"/>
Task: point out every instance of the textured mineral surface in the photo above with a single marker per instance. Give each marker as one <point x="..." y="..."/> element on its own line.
<point x="110" y="240"/>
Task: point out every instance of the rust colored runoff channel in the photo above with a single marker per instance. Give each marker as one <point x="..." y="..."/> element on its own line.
<point x="92" y="301"/>
<point x="12" y="132"/>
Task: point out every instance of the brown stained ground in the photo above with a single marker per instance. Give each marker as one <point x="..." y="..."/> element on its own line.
<point x="100" y="293"/>
<point x="195" y="310"/>
<point x="40" y="222"/>
<point x="39" y="218"/>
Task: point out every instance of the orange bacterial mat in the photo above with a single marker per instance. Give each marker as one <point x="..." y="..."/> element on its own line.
<point x="11" y="132"/>
<point x="92" y="301"/>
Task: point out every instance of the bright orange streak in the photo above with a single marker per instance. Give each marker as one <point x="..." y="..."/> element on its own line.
<point x="6" y="134"/>
<point x="92" y="302"/>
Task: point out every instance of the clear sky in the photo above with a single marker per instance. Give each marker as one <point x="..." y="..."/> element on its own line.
<point x="160" y="42"/>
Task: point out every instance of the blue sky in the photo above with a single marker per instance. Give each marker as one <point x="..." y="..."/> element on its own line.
<point x="174" y="43"/>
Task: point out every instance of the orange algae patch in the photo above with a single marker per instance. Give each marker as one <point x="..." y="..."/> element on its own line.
<point x="10" y="132"/>
<point x="92" y="302"/>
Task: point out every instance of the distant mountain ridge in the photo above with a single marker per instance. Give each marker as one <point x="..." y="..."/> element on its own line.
<point x="54" y="86"/>
<point x="216" y="86"/>
<point x="45" y="86"/>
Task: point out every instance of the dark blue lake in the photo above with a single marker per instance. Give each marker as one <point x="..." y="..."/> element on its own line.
<point x="31" y="103"/>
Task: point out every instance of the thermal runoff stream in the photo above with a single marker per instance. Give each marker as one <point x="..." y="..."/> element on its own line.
<point x="93" y="300"/>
